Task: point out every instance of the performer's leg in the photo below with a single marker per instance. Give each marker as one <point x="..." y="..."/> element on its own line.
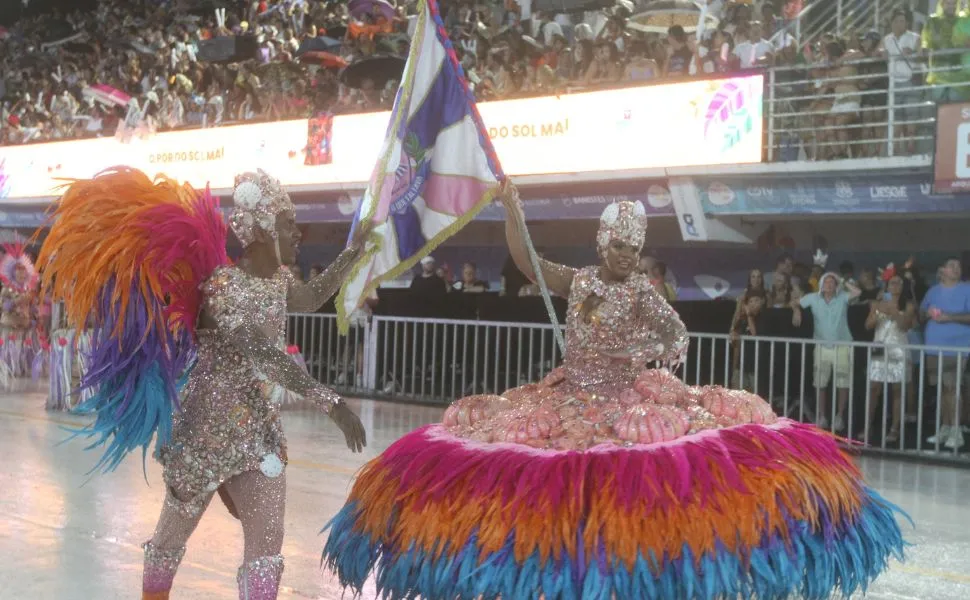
<point x="164" y="551"/>
<point x="259" y="501"/>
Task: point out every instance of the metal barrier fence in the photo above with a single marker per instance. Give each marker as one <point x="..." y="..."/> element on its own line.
<point x="437" y="361"/>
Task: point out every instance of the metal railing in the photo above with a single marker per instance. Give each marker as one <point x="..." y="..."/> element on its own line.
<point x="840" y="17"/>
<point x="858" y="109"/>
<point x="437" y="361"/>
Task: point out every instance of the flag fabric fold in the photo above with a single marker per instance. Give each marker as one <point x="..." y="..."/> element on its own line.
<point x="436" y="171"/>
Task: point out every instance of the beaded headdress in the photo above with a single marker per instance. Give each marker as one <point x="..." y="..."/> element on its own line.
<point x="624" y="221"/>
<point x="257" y="200"/>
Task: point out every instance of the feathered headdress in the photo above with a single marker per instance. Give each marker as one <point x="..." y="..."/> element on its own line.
<point x="128" y="255"/>
<point x="16" y="257"/>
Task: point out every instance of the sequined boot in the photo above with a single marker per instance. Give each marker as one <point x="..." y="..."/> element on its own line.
<point x="160" y="568"/>
<point x="259" y="579"/>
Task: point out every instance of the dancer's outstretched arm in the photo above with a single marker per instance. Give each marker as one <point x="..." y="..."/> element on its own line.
<point x="222" y="312"/>
<point x="310" y="296"/>
<point x="558" y="278"/>
<point x="283" y="370"/>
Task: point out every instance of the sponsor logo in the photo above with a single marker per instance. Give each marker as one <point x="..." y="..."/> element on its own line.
<point x="347" y="205"/>
<point x="843" y="190"/>
<point x="888" y="192"/>
<point x="719" y="194"/>
<point x="761" y="192"/>
<point x="800" y="196"/>
<point x="659" y="196"/>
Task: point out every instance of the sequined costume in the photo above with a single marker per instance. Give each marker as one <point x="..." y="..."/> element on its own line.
<point x="23" y="346"/>
<point x="890" y="364"/>
<point x="612" y="479"/>
<point x="187" y="349"/>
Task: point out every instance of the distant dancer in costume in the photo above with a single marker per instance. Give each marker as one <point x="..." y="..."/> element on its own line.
<point x="21" y="341"/>
<point x="190" y="347"/>
<point x="611" y="478"/>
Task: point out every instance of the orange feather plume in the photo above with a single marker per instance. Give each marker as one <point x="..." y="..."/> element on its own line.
<point x="98" y="230"/>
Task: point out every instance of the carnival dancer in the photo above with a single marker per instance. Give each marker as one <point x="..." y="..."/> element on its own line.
<point x="18" y="299"/>
<point x="610" y="478"/>
<point x="146" y="261"/>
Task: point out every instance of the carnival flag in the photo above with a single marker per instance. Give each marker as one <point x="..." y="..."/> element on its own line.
<point x="436" y="171"/>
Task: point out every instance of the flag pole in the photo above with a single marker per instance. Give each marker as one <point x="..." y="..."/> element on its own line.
<point x="541" y="281"/>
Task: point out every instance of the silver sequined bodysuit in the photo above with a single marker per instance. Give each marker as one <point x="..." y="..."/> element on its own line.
<point x="228" y="423"/>
<point x="605" y="393"/>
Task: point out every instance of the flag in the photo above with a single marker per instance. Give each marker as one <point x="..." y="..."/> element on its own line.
<point x="436" y="171"/>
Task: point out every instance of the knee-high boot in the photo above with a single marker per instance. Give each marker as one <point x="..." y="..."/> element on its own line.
<point x="160" y="568"/>
<point x="259" y="579"/>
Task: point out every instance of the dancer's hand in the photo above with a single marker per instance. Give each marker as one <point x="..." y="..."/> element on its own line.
<point x="362" y="234"/>
<point x="350" y="424"/>
<point x="509" y="195"/>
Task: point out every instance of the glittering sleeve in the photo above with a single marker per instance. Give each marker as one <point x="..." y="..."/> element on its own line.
<point x="310" y="296"/>
<point x="664" y="328"/>
<point x="232" y="310"/>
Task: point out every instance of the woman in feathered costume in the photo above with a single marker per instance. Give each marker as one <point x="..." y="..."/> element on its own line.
<point x="21" y="341"/>
<point x="189" y="348"/>
<point x="610" y="479"/>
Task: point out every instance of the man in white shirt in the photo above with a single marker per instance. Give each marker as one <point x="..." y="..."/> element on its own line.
<point x="900" y="47"/>
<point x="755" y="49"/>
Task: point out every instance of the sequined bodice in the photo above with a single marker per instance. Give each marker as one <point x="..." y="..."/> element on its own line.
<point x="630" y="326"/>
<point x="237" y="298"/>
<point x="888" y="331"/>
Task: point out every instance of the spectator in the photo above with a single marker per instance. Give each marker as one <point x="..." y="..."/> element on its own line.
<point x="785" y="265"/>
<point x="752" y="49"/>
<point x="717" y="56"/>
<point x="946" y="312"/>
<point x="846" y="100"/>
<point x="512" y="279"/>
<point x="830" y="308"/>
<point x="641" y="66"/>
<point x="780" y="294"/>
<point x="428" y="283"/>
<point x="900" y="47"/>
<point x="756" y="286"/>
<point x="645" y="265"/>
<point x="874" y="96"/>
<point x="470" y="283"/>
<point x="889" y="365"/>
<point x="605" y="67"/>
<point x="658" y="276"/>
<point x="847" y="272"/>
<point x="749" y="322"/>
<point x="679" y="53"/>
<point x="867" y="285"/>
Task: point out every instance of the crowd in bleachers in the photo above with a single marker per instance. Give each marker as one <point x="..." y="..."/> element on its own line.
<point x="136" y="66"/>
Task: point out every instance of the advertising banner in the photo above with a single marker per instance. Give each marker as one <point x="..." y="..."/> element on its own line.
<point x="857" y="195"/>
<point x="951" y="163"/>
<point x="710" y="122"/>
